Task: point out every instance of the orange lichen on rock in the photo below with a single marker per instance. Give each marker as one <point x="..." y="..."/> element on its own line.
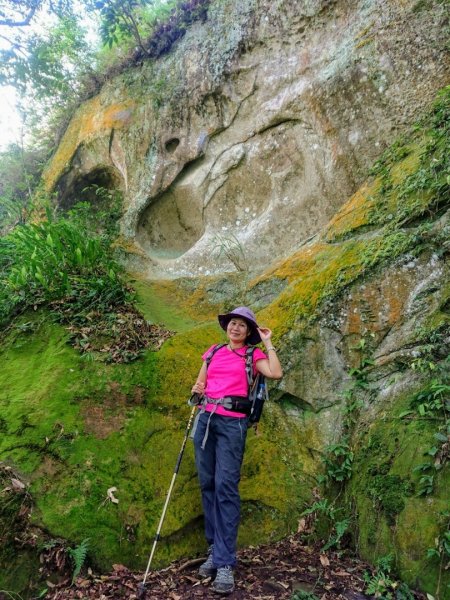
<point x="354" y="213"/>
<point x="409" y="165"/>
<point x="383" y="301"/>
<point x="91" y="120"/>
<point x="295" y="265"/>
<point x="128" y="246"/>
<point x="316" y="272"/>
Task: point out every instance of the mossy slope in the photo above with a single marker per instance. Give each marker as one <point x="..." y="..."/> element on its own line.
<point x="74" y="428"/>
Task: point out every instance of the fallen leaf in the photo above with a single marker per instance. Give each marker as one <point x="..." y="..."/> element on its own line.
<point x="110" y="494"/>
<point x="324" y="560"/>
<point x="17" y="484"/>
<point x="301" y="526"/>
<point x="341" y="573"/>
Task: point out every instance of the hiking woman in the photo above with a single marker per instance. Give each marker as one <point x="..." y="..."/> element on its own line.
<point x="220" y="432"/>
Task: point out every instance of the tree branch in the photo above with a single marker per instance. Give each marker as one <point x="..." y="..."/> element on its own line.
<point x="135" y="31"/>
<point x="15" y="45"/>
<point x="24" y="22"/>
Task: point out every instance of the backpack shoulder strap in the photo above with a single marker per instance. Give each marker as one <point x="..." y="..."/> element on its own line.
<point x="249" y="365"/>
<point x="211" y="353"/>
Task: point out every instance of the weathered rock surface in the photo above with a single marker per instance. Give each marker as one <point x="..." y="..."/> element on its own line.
<point x="255" y="128"/>
<point x="260" y="124"/>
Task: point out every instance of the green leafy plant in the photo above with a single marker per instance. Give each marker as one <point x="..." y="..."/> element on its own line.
<point x="58" y="265"/>
<point x="78" y="556"/>
<point x="426" y="481"/>
<point x="360" y="373"/>
<point x="439" y="454"/>
<point x="98" y="212"/>
<point x="441" y="549"/>
<point x="338" y="461"/>
<point x="381" y="583"/>
<point x="359" y="386"/>
<point x="55" y="261"/>
<point x="433" y="400"/>
<point x="339" y="527"/>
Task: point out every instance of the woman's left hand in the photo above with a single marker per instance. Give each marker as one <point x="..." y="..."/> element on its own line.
<point x="265" y="333"/>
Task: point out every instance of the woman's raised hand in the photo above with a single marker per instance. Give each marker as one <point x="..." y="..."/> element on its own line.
<point x="265" y="333"/>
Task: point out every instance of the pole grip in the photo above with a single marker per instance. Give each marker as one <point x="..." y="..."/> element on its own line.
<point x="186" y="434"/>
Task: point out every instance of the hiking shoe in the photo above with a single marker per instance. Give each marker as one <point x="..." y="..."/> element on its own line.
<point x="224" y="581"/>
<point x="207" y="569"/>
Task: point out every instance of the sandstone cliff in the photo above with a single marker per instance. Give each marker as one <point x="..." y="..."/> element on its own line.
<point x="257" y="125"/>
<point x="255" y="135"/>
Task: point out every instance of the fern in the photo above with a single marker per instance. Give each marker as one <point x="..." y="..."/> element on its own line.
<point x="78" y="556"/>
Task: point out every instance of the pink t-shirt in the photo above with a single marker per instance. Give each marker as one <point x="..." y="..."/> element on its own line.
<point x="226" y="376"/>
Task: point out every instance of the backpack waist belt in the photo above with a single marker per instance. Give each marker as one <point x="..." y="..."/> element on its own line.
<point x="240" y="404"/>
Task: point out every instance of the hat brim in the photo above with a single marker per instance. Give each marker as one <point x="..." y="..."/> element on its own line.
<point x="253" y="338"/>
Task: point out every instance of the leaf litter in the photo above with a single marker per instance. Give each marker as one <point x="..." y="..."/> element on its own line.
<point x="269" y="572"/>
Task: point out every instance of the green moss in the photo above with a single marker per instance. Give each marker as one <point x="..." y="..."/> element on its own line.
<point x="388" y="493"/>
<point x="391" y="517"/>
<point x="18" y="572"/>
<point x="157" y="308"/>
<point x="75" y="428"/>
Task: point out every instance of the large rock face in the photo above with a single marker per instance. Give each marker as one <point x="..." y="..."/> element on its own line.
<point x="254" y="134"/>
<point x="255" y="128"/>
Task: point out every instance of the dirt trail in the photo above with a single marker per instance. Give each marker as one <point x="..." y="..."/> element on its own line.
<point x="275" y="571"/>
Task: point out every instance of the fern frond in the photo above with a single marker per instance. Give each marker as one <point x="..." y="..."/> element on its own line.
<point x="78" y="556"/>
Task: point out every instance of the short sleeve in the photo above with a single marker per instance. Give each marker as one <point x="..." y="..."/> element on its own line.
<point x="208" y="351"/>
<point x="258" y="355"/>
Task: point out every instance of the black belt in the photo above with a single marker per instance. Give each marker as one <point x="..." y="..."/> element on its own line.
<point x="240" y="404"/>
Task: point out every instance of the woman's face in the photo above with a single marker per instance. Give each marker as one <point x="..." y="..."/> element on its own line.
<point x="237" y="331"/>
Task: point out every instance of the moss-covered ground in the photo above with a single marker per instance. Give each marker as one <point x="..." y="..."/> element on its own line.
<point x="74" y="428"/>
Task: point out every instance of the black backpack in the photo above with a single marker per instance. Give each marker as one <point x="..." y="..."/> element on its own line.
<point x="257" y="386"/>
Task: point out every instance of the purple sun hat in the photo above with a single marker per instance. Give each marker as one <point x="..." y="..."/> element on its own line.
<point x="249" y="317"/>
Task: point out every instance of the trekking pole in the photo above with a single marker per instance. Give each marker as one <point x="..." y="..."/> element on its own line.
<point x="141" y="586"/>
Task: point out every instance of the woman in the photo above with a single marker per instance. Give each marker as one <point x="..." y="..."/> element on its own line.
<point x="220" y="433"/>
